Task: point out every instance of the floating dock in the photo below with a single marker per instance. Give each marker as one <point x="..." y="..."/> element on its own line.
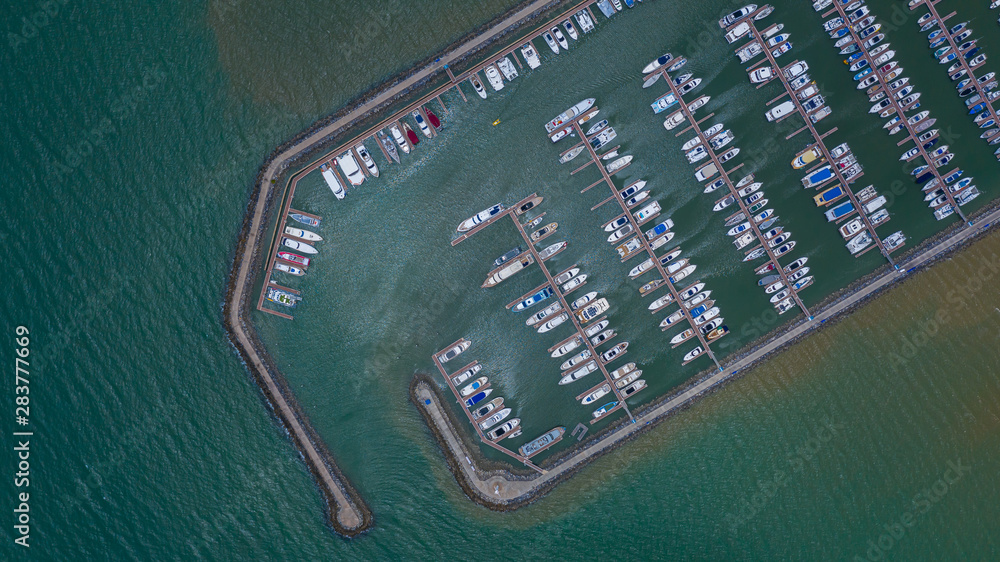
<point x="695" y="125"/>
<point x="911" y="133"/>
<point x="818" y="141"/>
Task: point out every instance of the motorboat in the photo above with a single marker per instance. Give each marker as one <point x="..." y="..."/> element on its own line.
<point x="552" y="250"/>
<point x="289" y="269"/>
<point x="494" y="78"/>
<point x="303" y="234"/>
<point x="560" y="38"/>
<point x="733" y="17"/>
<point x="553" y="323"/>
<point x="551" y="42"/>
<point x="530" y="55"/>
<point x="477" y="85"/>
<point x="507" y="68"/>
<point x="397" y="136"/>
<point x="299" y="246"/>
<point x="470" y="223"/>
<point x="454" y="351"/>
<point x="410" y="135"/>
<point x="656" y="64"/>
<point x="350" y="168"/>
<point x="294" y="258"/>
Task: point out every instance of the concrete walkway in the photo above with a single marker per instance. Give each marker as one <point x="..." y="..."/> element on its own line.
<point x="498" y="489"/>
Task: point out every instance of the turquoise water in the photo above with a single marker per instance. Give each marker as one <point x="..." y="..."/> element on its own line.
<point x="133" y="134"/>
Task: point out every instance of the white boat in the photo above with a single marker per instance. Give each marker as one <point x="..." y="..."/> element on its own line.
<point x="674" y="120"/>
<point x="738" y="32"/>
<point x="733" y="17"/>
<point x="466" y="374"/>
<point x="574" y="283"/>
<point x="454" y="351"/>
<point x="494" y="78"/>
<point x="575" y="360"/>
<point x="603" y="337"/>
<point x="303" y="234"/>
<point x="859" y="242"/>
<point x="693" y="353"/>
<point x="331" y="180"/>
<point x="473" y="386"/>
<point x="507" y="68"/>
<point x="552" y="250"/>
<point x="761" y="75"/>
<point x="592" y="330"/>
<point x="781" y="110"/>
<point x="366" y="157"/>
<point x="618" y="164"/>
<point x="567" y="347"/>
<point x="578" y="374"/>
<point x="469" y="223"/>
<point x="551" y="42"/>
<point x="596" y="395"/>
<point x="397" y="136"/>
<point x="586" y="24"/>
<point x="570" y="114"/>
<point x="582" y="301"/>
<point x="570" y="30"/>
<point x="560" y="38"/>
<point x="477" y="85"/>
<point x="350" y="168"/>
<point x="553" y="323"/>
<point x="290" y="269"/>
<point x="530" y="55"/>
<point x="421" y="123"/>
<point x="656" y="64"/>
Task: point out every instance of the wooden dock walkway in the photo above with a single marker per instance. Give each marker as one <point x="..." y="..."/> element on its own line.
<point x="733" y="191"/>
<point x="818" y="140"/>
<point x="983" y="94"/>
<point x="461" y="401"/>
<point x="911" y="133"/>
<point x="645" y="246"/>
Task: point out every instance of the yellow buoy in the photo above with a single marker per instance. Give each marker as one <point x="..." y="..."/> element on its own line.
<point x="497" y="122"/>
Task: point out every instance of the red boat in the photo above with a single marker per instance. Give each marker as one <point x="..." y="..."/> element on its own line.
<point x="769" y="266"/>
<point x="432" y="118"/>
<point x="294" y="258"/>
<point x="411" y="135"/>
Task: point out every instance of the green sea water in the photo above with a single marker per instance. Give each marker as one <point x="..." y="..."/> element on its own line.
<point x="132" y="133"/>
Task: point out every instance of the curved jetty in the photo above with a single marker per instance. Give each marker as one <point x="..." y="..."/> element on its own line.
<point x="348" y="514"/>
<point x="505" y="489"/>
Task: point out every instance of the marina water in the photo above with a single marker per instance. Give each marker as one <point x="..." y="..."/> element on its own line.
<point x="133" y="134"/>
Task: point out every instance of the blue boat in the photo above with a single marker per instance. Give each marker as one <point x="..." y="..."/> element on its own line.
<point x="957" y="174"/>
<point x="698" y="311"/>
<point x="930" y="144"/>
<point x="977" y="108"/>
<point x="470" y="402"/>
<point x="818" y="177"/>
<point x="534" y="299"/>
<point x="972" y="52"/>
<point x="863" y="73"/>
<point x="838" y="33"/>
<point x="629" y="3"/>
<point x="839" y="211"/>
